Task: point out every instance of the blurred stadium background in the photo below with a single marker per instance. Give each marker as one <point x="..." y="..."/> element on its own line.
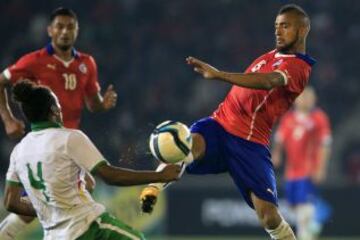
<point x="141" y="45"/>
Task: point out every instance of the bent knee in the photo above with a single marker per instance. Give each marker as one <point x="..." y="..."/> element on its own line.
<point x="270" y="219"/>
<point x="199" y="145"/>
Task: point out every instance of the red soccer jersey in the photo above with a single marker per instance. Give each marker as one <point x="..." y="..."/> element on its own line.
<point x="249" y="113"/>
<point x="302" y="136"/>
<point x="71" y="81"/>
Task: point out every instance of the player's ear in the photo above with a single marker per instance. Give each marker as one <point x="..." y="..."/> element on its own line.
<point x="307" y="30"/>
<point x="49" y="30"/>
<point x="302" y="32"/>
<point x="304" y="27"/>
<point x="77" y="31"/>
<point x="55" y="114"/>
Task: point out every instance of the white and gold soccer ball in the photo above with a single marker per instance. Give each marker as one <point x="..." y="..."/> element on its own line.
<point x="170" y="142"/>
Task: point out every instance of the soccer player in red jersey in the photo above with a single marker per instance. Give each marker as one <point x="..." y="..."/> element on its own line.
<point x="70" y="74"/>
<point x="235" y="138"/>
<point x="304" y="134"/>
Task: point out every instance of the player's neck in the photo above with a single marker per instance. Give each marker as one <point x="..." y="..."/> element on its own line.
<point x="295" y="50"/>
<point x="303" y="112"/>
<point x="301" y="50"/>
<point x="65" y="55"/>
<point x="300" y="47"/>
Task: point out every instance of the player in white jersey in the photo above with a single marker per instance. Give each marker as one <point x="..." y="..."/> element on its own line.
<point x="51" y="162"/>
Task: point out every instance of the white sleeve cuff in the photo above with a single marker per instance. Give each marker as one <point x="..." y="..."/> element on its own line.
<point x="283" y="74"/>
<point x="7" y="74"/>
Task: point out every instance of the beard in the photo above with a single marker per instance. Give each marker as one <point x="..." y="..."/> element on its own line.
<point x="286" y="48"/>
<point x="289" y="46"/>
<point x="64" y="47"/>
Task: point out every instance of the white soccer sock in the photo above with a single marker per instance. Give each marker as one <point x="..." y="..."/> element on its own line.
<point x="11" y="226"/>
<point x="161" y="186"/>
<point x="304" y="217"/>
<point x="282" y="232"/>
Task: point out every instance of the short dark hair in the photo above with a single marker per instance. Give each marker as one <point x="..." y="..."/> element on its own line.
<point x="293" y="8"/>
<point x="61" y="11"/>
<point x="35" y="100"/>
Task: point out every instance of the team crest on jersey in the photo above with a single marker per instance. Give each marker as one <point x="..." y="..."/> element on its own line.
<point x="83" y="68"/>
<point x="258" y="66"/>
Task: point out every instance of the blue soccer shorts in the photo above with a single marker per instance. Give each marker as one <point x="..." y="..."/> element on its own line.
<point x="248" y="163"/>
<point x="300" y="191"/>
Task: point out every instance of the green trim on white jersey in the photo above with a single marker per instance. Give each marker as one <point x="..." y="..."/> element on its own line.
<point x="43" y="125"/>
<point x="107" y="227"/>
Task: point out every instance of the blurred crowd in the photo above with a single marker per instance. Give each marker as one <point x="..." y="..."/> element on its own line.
<point x="140" y="46"/>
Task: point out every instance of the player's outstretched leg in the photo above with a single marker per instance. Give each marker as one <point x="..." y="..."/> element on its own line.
<point x="149" y="194"/>
<point x="12" y="225"/>
<point x="271" y="220"/>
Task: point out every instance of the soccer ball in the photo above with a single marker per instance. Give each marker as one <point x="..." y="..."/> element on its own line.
<point x="170" y="142"/>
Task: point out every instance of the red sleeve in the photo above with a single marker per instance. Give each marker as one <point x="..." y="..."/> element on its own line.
<point x="92" y="86"/>
<point x="21" y="69"/>
<point x="297" y="74"/>
<point x="323" y="128"/>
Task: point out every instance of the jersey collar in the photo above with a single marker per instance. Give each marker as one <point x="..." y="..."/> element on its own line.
<point x="44" y="125"/>
<point x="305" y="57"/>
<point x="50" y="50"/>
